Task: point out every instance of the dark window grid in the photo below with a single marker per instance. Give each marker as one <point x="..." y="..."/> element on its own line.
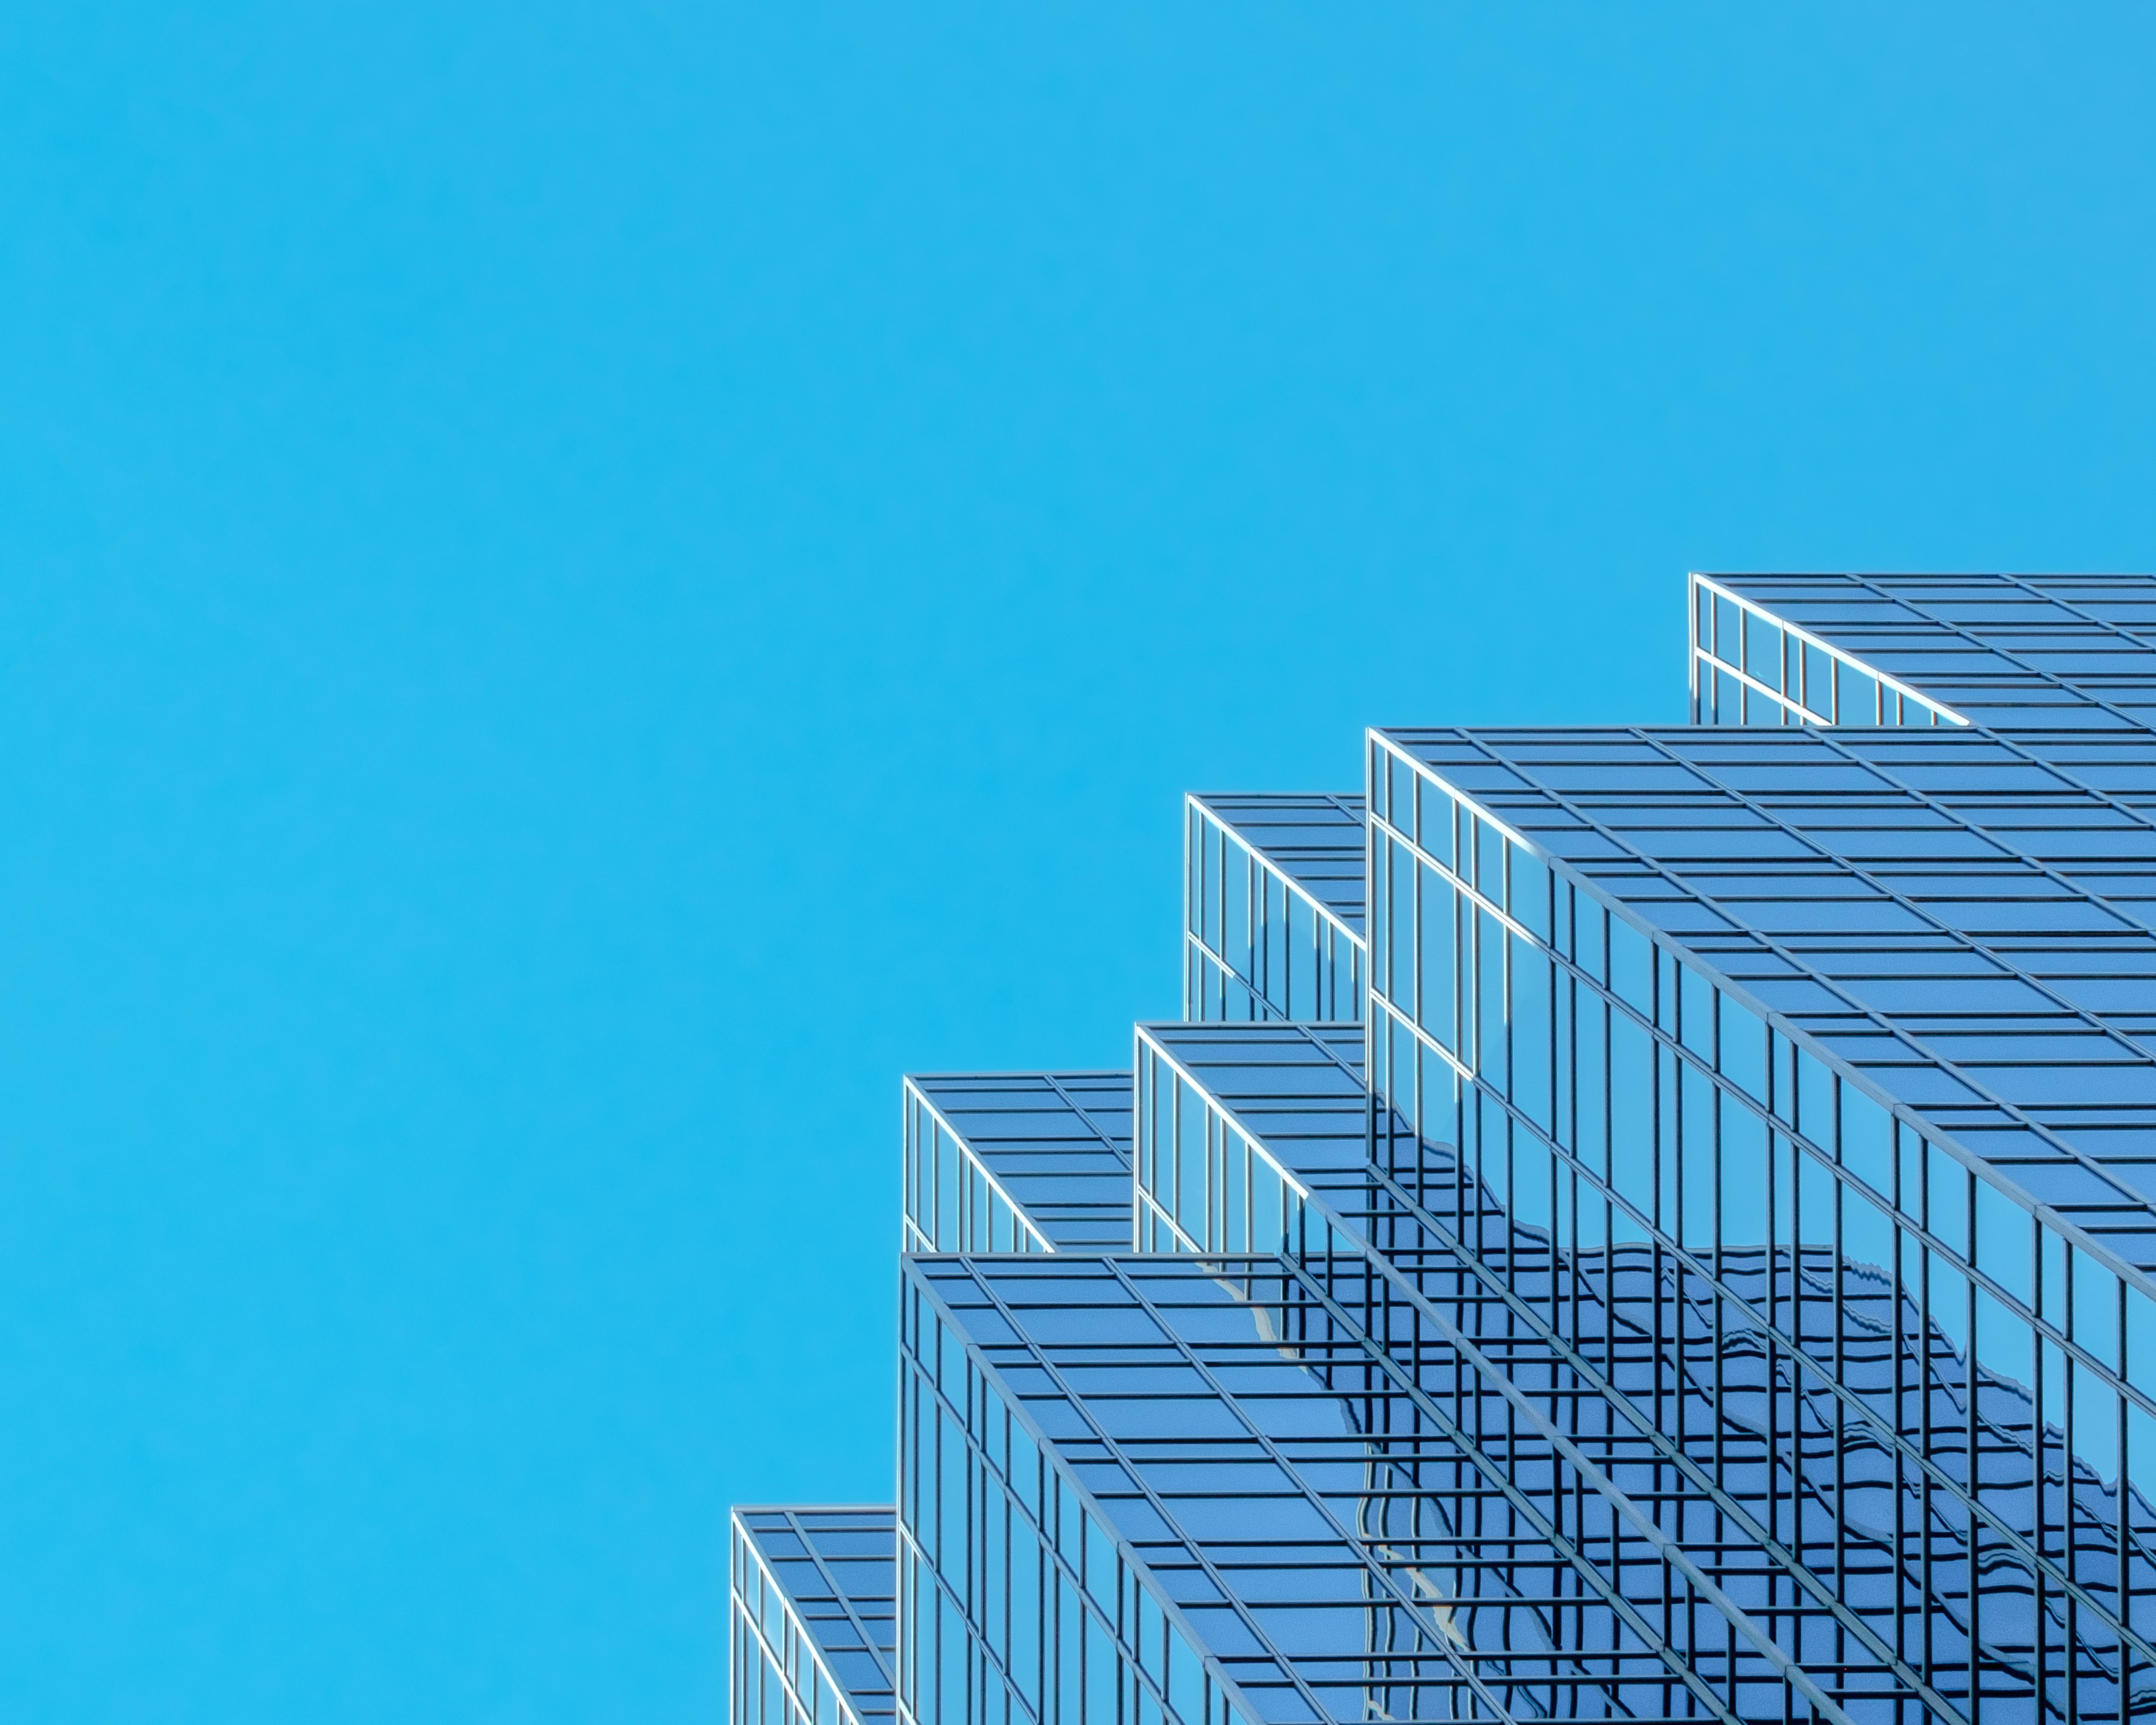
<point x="967" y="1223"/>
<point x="1219" y="1573"/>
<point x="799" y="1643"/>
<point x="1684" y="1506"/>
<point x="1997" y="671"/>
<point x="1498" y="1474"/>
<point x="983" y="1382"/>
<point x="1928" y="653"/>
<point x="1949" y="811"/>
<point x="2046" y="596"/>
<point x="1234" y="1561"/>
<point x="1923" y="1452"/>
<point x="1269" y="942"/>
<point x="983" y="1115"/>
<point x="1359" y="1235"/>
<point x="829" y="1533"/>
<point x="2097" y="1671"/>
<point x="2038" y="775"/>
<point x="1710" y="651"/>
<point x="1099" y="1101"/>
<point x="2132" y="1052"/>
<point x="806" y="1523"/>
<point x="2006" y="705"/>
<point x="912" y="1553"/>
<point x="1335" y="810"/>
<point x="1915" y="1224"/>
<point x="1500" y="1289"/>
<point x="2086" y="661"/>
<point x="1512" y="1458"/>
<point x="1922" y="655"/>
<point x="1975" y="642"/>
<point x="1322" y="1187"/>
<point x="2040" y="746"/>
<point x="2100" y="1374"/>
<point x="986" y="1420"/>
<point x="1161" y="1167"/>
<point x="1315" y="840"/>
<point x="1266" y="1051"/>
<point x="1881" y="1023"/>
<point x="1832" y="596"/>
<point x="1910" y="636"/>
<point x="1037" y="1133"/>
<point x="1160" y="1171"/>
<point x="2126" y="594"/>
<point x="2028" y="752"/>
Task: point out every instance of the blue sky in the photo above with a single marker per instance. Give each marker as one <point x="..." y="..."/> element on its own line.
<point x="586" y="584"/>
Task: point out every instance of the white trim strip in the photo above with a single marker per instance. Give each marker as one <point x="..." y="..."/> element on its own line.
<point x="1190" y="801"/>
<point x="1174" y="1227"/>
<point x="1810" y="716"/>
<point x="965" y="1149"/>
<point x="1481" y="900"/>
<point x="1227" y="1114"/>
<point x="1887" y="679"/>
<point x="839" y="1693"/>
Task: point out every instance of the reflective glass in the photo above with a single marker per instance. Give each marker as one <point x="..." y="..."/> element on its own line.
<point x="1647" y="1223"/>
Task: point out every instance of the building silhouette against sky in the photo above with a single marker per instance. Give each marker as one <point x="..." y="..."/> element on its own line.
<point x="1636" y="1223"/>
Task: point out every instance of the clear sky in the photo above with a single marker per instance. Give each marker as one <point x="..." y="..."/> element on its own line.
<point x="586" y="583"/>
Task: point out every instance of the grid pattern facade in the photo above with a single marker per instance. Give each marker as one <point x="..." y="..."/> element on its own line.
<point x="1753" y="664"/>
<point x="1641" y="1223"/>
<point x="1029" y="1162"/>
<point x="1609" y="1093"/>
<point x="1760" y="1460"/>
<point x="1354" y="1535"/>
<point x="1273" y="907"/>
<point x="814" y="1616"/>
<point x="2009" y="652"/>
<point x="1234" y="1122"/>
<point x="1021" y="1600"/>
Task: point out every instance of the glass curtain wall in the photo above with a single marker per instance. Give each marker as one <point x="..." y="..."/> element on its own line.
<point x="1207" y="1180"/>
<point x="953" y="1201"/>
<point x="1648" y="1222"/>
<point x="1273" y="908"/>
<point x="1017" y="1162"/>
<point x="2012" y="653"/>
<point x="1750" y="667"/>
<point x="1021" y="1602"/>
<point x="1365" y="1516"/>
<point x="1433" y="1238"/>
<point x="813" y="1618"/>
<point x="1618" y="1104"/>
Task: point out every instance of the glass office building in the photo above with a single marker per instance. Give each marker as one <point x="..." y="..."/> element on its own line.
<point x="1636" y="1223"/>
<point x="814" y="1620"/>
